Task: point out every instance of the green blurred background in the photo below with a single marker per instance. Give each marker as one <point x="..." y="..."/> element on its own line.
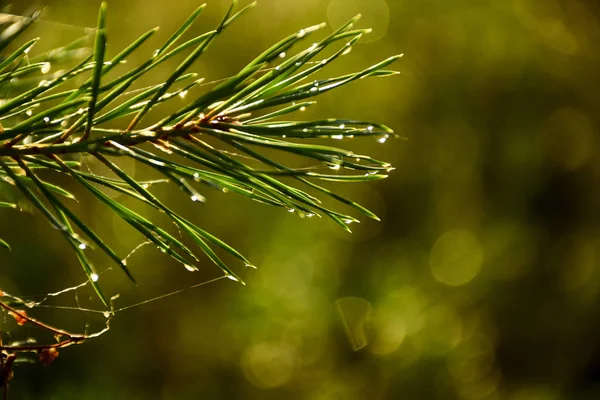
<point x="481" y="281"/>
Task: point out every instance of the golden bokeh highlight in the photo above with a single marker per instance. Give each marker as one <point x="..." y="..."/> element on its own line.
<point x="289" y="282"/>
<point x="456" y="257"/>
<point x="388" y="331"/>
<point x="269" y="365"/>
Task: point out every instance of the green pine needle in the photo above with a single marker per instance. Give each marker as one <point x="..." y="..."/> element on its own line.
<point x="44" y="124"/>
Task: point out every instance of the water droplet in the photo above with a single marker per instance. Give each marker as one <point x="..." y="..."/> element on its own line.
<point x="304" y="130"/>
<point x="369" y="128"/>
<point x="277" y="68"/>
<point x="80" y="111"/>
<point x="29" y="113"/>
<point x="156" y="53"/>
<point x="233" y="278"/>
<point x="347" y="50"/>
<point x="64" y="123"/>
<point x="251" y="266"/>
<point x="190" y="268"/>
<point x="335" y="166"/>
<point x="197" y="177"/>
<point x="302" y="108"/>
<point x="314" y="89"/>
<point x="46" y="68"/>
<point x="302" y="33"/>
<point x="290" y="210"/>
<point x="225" y="190"/>
<point x="324" y="62"/>
<point x="310" y="215"/>
<point x="46" y="119"/>
<point x="338" y="137"/>
<point x="383" y="139"/>
<point x="106" y="314"/>
<point x="342" y="126"/>
<point x="283" y="136"/>
<point x="194" y="198"/>
<point x="183" y="93"/>
<point x="348" y="221"/>
<point x="282" y="54"/>
<point x="82" y="246"/>
<point x="94" y="277"/>
<point x="43" y="82"/>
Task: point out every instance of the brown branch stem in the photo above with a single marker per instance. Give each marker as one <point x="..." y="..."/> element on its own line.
<point x="86" y="146"/>
<point x="71" y="338"/>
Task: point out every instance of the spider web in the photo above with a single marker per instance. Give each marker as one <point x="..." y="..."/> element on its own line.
<point x="78" y="298"/>
<point x="18" y="332"/>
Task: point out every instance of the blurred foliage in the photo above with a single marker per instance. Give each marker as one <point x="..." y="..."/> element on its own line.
<point x="480" y="283"/>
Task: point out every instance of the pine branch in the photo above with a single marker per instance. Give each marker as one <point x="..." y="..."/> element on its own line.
<point x="43" y="125"/>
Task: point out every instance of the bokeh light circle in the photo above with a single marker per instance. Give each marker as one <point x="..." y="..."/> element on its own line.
<point x="268" y="365"/>
<point x="456" y="257"/>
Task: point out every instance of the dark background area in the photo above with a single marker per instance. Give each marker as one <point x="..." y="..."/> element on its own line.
<point x="480" y="283"/>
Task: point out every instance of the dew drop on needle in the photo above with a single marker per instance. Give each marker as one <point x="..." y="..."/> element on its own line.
<point x="190" y="268"/>
<point x="46" y="68"/>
